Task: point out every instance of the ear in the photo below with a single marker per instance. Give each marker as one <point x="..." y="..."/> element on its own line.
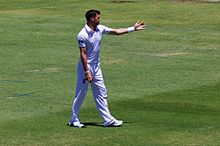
<point x="92" y="18"/>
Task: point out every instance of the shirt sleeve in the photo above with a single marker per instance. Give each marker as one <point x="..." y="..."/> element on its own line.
<point x="81" y="41"/>
<point x="106" y="30"/>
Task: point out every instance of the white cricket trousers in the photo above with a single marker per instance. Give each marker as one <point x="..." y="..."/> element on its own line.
<point x="99" y="93"/>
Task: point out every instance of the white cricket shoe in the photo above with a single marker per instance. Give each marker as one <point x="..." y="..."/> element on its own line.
<point x="116" y="123"/>
<point x="77" y="125"/>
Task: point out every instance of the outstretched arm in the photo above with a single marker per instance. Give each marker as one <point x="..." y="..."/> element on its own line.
<point x="138" y="26"/>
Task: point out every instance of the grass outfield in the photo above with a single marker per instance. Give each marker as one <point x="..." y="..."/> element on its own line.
<point x="164" y="82"/>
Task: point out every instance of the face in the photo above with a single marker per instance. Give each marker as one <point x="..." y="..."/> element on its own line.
<point x="96" y="19"/>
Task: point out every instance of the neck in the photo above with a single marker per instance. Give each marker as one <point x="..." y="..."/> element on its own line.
<point x="92" y="26"/>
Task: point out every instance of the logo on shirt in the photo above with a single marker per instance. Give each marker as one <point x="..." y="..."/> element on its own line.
<point x="80" y="41"/>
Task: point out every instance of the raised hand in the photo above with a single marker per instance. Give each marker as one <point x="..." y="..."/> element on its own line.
<point x="139" y="25"/>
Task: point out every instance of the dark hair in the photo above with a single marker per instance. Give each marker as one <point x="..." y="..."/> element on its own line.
<point x="91" y="13"/>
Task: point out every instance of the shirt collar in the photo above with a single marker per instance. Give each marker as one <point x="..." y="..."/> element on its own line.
<point x="89" y="30"/>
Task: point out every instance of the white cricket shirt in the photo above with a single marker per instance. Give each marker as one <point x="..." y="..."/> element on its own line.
<point x="91" y="40"/>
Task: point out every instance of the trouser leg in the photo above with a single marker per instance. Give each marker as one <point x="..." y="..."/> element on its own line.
<point x="100" y="95"/>
<point x="81" y="90"/>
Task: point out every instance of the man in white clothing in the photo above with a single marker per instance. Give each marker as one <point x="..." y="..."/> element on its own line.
<point x="89" y="71"/>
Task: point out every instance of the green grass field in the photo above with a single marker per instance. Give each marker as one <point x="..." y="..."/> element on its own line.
<point x="163" y="82"/>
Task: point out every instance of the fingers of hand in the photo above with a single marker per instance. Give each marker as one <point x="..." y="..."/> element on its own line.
<point x="141" y="23"/>
<point x="141" y="27"/>
<point x="90" y="78"/>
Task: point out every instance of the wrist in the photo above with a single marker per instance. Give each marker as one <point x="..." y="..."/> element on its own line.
<point x="86" y="72"/>
<point x="131" y="29"/>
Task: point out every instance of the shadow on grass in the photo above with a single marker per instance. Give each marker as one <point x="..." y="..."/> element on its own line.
<point x="98" y="124"/>
<point x="93" y="124"/>
<point x="179" y="109"/>
<point x="87" y="124"/>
